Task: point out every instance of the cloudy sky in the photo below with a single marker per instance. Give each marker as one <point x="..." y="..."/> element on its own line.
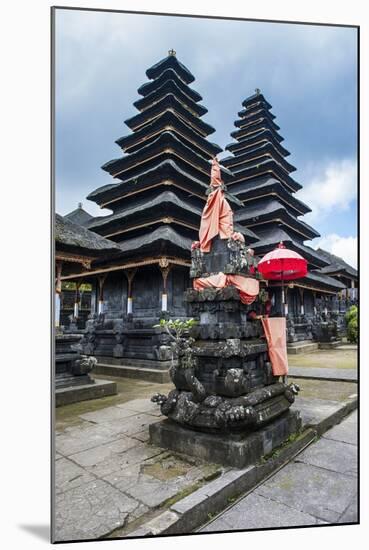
<point x="308" y="73"/>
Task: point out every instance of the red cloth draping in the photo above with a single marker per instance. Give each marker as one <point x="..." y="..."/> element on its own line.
<point x="217" y="216"/>
<point x="247" y="287"/>
<point x="275" y="333"/>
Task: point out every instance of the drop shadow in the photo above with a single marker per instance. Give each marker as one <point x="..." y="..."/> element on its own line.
<point x="40" y="531"/>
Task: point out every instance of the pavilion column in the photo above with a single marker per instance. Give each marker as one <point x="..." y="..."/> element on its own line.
<point x="100" y="303"/>
<point x="130" y="274"/>
<point x="284" y="300"/>
<point x="165" y="268"/>
<point x="77" y="300"/>
<point x="314" y="302"/>
<point x="302" y="309"/>
<point x="58" y="293"/>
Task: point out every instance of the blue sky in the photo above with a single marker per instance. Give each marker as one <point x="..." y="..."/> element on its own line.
<point x="308" y="74"/>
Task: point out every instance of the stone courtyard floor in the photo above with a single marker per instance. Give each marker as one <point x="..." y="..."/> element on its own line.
<point x="318" y="487"/>
<point x="110" y="482"/>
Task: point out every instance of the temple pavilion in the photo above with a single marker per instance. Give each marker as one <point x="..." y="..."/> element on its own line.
<point x="263" y="182"/>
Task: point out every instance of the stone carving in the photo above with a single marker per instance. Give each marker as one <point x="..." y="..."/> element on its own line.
<point x="84" y="365"/>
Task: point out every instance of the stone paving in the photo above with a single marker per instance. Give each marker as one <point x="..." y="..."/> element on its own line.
<point x="109" y="481"/>
<point x="107" y="476"/>
<point x="318" y="487"/>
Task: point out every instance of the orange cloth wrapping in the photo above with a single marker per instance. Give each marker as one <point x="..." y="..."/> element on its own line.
<point x="275" y="333"/>
<point x="217" y="216"/>
<point x="247" y="287"/>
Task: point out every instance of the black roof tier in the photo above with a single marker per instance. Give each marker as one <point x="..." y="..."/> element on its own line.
<point x="324" y="281"/>
<point x="169" y="74"/>
<point x="254" y="126"/>
<point x="170" y="62"/>
<point x="270" y="240"/>
<point x="337" y="265"/>
<point x="269" y="209"/>
<point x="168" y="172"/>
<point x="164" y="240"/>
<point x="264" y="187"/>
<point x="261" y="105"/>
<point x="267" y="168"/>
<point x="170" y="102"/>
<point x="168" y="121"/>
<point x="254" y="155"/>
<point x="257" y="138"/>
<point x="166" y="145"/>
<point x="255" y="116"/>
<point x="170" y="87"/>
<point x="246" y="133"/>
<point x="74" y="238"/>
<point x="79" y="216"/>
<point x="165" y="203"/>
<point x="256" y="98"/>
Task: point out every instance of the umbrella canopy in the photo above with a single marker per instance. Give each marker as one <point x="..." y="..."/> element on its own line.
<point x="282" y="264"/>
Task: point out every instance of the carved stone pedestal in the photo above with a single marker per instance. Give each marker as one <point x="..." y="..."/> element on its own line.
<point x="236" y="450"/>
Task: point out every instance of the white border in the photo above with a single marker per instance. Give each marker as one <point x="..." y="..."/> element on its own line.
<point x="25" y="273"/>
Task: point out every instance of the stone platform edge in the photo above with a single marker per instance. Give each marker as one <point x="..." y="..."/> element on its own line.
<point x="75" y="394"/>
<point x="191" y="512"/>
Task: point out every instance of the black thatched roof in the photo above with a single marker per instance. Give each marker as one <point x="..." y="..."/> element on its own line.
<point x="79" y="216"/>
<point x="268" y="209"/>
<point x="271" y="239"/>
<point x="267" y="167"/>
<point x="170" y="62"/>
<point x="337" y="264"/>
<point x="134" y="141"/>
<point x="164" y="238"/>
<point x="161" y="202"/>
<point x="323" y="280"/>
<point x="262" y="135"/>
<point x="259" y="150"/>
<point x="257" y="97"/>
<point x="169" y="102"/>
<point x="168" y="74"/>
<point x="264" y="186"/>
<point x="170" y="87"/>
<point x="74" y="238"/>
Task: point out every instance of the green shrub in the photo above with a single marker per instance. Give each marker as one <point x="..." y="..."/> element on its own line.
<point x="352" y="331"/>
<point x="351" y="320"/>
<point x="351" y="314"/>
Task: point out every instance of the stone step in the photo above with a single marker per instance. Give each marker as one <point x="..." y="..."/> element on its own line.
<point x="330" y="345"/>
<point x="75" y="394"/>
<point x="305" y="346"/>
<point x="126" y="371"/>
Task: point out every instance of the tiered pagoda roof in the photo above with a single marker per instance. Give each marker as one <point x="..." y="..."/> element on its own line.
<point x="263" y="182"/>
<point x="164" y="173"/>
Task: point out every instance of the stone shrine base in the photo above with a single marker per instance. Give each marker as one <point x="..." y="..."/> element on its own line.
<point x="236" y="450"/>
<point x="73" y="394"/>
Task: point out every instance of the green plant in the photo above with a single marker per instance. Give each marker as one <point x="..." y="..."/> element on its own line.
<point x="352" y="324"/>
<point x="351" y="314"/>
<point x="352" y="331"/>
<point x="177" y="328"/>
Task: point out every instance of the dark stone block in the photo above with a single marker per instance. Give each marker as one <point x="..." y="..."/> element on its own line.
<point x="236" y="450"/>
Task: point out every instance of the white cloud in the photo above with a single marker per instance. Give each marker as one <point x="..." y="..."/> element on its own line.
<point x="344" y="247"/>
<point x="332" y="189"/>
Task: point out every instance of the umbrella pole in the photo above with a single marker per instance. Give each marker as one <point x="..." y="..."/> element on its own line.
<point x="285" y="377"/>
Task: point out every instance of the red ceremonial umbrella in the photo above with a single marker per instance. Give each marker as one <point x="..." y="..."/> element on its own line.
<point x="282" y="264"/>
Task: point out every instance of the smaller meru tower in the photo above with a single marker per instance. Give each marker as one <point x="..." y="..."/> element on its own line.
<point x="263" y="182"/>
